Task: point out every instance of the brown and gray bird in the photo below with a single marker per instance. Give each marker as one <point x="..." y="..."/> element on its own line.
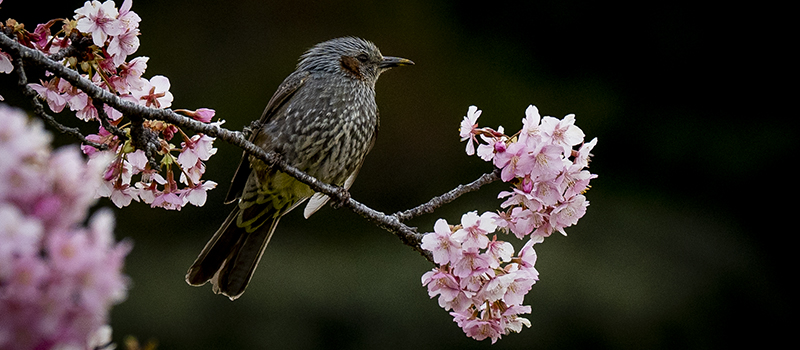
<point x="322" y="120"/>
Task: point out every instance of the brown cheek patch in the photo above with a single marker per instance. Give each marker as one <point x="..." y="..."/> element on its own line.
<point x="350" y="65"/>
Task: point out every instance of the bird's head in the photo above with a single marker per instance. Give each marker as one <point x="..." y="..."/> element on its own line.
<point x="352" y="57"/>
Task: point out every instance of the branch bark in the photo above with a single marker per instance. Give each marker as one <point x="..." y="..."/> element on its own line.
<point x="392" y="223"/>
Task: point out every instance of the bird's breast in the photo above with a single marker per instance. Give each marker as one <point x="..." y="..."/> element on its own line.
<point x="330" y="129"/>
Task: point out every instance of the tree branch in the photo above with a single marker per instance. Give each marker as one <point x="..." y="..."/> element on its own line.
<point x="448" y="197"/>
<point x="392" y="223"/>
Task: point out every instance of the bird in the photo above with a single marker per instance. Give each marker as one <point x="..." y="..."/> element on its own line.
<point x="322" y="120"/>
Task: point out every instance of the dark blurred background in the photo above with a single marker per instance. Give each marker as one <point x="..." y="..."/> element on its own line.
<point x="683" y="247"/>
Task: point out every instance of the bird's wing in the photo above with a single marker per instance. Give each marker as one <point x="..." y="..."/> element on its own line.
<point x="286" y="90"/>
<point x="288" y="87"/>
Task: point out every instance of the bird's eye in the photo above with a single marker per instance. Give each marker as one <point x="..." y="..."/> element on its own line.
<point x="362" y="58"/>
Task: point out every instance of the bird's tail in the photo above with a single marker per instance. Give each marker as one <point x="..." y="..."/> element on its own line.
<point x="231" y="256"/>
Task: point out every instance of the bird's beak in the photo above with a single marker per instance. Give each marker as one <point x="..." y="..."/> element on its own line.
<point x="389" y="62"/>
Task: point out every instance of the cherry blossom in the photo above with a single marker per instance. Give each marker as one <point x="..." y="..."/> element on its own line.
<point x="530" y="124"/>
<point x="123" y="45"/>
<point x="568" y="213"/>
<point x="154" y="93"/>
<point x="444" y="248"/>
<point x="467" y="129"/>
<point x="474" y="229"/>
<point x="515" y="160"/>
<point x="199" y="147"/>
<point x="201" y="114"/>
<point x="128" y="19"/>
<point x="197" y="195"/>
<point x="52" y="94"/>
<point x="486" y="150"/>
<point x="563" y="132"/>
<point x="129" y="75"/>
<point x="98" y="19"/>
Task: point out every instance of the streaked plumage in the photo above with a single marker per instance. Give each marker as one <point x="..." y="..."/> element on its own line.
<point x="322" y="120"/>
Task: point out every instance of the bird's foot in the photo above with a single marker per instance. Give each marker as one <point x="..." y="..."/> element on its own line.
<point x="250" y="129"/>
<point x="343" y="197"/>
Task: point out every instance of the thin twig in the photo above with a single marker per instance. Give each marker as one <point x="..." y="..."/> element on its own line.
<point x="105" y="121"/>
<point x="448" y="197"/>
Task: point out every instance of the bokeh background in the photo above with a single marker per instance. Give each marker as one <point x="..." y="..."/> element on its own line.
<point x="684" y="246"/>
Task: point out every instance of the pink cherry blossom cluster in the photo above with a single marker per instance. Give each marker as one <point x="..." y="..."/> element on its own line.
<point x="548" y="175"/>
<point x="110" y="35"/>
<point x="58" y="279"/>
<point x="129" y="176"/>
<point x="478" y="277"/>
